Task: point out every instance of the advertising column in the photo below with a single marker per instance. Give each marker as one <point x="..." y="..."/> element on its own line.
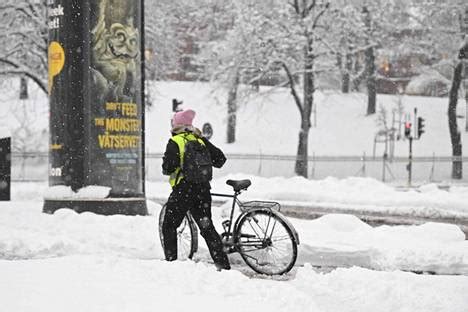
<point x="96" y="105"/>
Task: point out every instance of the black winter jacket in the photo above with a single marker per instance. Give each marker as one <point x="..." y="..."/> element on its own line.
<point x="171" y="158"/>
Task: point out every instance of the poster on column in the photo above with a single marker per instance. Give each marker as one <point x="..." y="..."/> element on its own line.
<point x="65" y="77"/>
<point x="114" y="108"/>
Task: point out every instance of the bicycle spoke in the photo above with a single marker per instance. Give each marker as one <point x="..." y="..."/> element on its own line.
<point x="284" y="252"/>
<point x="252" y="243"/>
<point x="273" y="229"/>
<point x="266" y="230"/>
<point x="184" y="236"/>
<point x="250" y="223"/>
<point x="281" y="238"/>
<point x="252" y="249"/>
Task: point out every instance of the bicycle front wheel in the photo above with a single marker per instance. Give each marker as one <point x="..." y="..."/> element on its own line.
<point x="266" y="242"/>
<point x="187" y="235"/>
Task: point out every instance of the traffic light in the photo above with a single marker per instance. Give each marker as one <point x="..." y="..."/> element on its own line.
<point x="175" y="105"/>
<point x="407" y="129"/>
<point x="420" y="126"/>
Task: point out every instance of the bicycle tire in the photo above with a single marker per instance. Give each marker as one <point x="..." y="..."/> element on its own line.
<point x="257" y="251"/>
<point x="187" y="236"/>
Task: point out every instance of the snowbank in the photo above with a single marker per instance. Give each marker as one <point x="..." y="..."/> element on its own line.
<point x="333" y="240"/>
<point x="65" y="192"/>
<point x="101" y="284"/>
<point x="352" y="193"/>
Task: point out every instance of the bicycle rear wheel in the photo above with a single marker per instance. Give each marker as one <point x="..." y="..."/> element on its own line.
<point x="187" y="236"/>
<point x="266" y="242"/>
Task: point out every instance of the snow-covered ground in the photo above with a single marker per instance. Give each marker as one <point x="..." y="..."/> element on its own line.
<point x="93" y="283"/>
<point x="87" y="262"/>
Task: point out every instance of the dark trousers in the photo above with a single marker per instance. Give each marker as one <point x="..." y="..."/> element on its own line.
<point x="196" y="199"/>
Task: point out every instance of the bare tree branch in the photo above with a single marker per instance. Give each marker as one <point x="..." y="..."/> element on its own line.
<point x="292" y="86"/>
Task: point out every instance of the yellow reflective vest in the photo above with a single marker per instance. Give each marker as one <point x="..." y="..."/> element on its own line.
<point x="181" y="139"/>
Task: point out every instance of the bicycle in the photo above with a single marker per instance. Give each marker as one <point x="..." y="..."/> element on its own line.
<point x="265" y="239"/>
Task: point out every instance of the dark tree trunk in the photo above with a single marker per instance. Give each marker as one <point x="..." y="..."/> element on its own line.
<point x="339" y="64"/>
<point x="302" y="155"/>
<point x="346" y="79"/>
<point x="303" y="10"/>
<point x="457" y="164"/>
<point x="345" y="70"/>
<point x="359" y="74"/>
<point x="302" y="149"/>
<point x="370" y="65"/>
<point x="371" y="83"/>
<point x="23" y="89"/>
<point x="302" y="167"/>
<point x="232" y="110"/>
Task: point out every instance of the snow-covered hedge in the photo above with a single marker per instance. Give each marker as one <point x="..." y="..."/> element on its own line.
<point x="430" y="83"/>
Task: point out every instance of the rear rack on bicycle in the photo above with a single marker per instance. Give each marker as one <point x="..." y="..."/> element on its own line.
<point x="260" y="204"/>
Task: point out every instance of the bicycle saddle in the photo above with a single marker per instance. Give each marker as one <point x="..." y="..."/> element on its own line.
<point x="239" y="185"/>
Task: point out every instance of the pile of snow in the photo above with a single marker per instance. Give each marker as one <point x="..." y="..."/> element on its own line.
<point x="90" y="283"/>
<point x="65" y="192"/>
<point x="365" y="194"/>
<point x="27" y="233"/>
<point x="344" y="240"/>
<point x="333" y="240"/>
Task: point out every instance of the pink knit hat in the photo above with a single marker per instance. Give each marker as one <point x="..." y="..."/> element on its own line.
<point x="183" y="118"/>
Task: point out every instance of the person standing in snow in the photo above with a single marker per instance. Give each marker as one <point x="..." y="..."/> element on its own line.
<point x="188" y="195"/>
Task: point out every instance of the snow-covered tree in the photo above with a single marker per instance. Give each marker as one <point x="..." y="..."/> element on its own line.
<point x="292" y="38"/>
<point x="168" y="26"/>
<point x="367" y="32"/>
<point x="235" y="58"/>
<point x="347" y="35"/>
<point x="23" y="40"/>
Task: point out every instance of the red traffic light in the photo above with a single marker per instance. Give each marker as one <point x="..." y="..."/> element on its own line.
<point x="407" y="129"/>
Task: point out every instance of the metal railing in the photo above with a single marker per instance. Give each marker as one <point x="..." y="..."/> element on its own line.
<point x="33" y="166"/>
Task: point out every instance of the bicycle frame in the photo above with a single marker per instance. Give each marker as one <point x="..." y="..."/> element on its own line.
<point x="234" y="202"/>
